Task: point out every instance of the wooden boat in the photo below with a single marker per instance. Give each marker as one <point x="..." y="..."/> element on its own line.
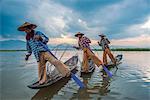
<point x="54" y="76"/>
<point x="91" y="68"/>
<point x="118" y="61"/>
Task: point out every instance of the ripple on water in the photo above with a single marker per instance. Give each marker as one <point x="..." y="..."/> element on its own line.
<point x="129" y="98"/>
<point x="146" y="84"/>
<point x="115" y="93"/>
<point x="146" y="79"/>
<point x="110" y="98"/>
<point x="131" y="75"/>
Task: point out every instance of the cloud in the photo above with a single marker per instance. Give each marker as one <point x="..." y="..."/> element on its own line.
<point x="119" y="20"/>
<point x="139" y="41"/>
<point x="113" y="18"/>
<point x="64" y="39"/>
<point x="121" y="10"/>
<point x="12" y="38"/>
<point x="53" y="18"/>
<point x="67" y="39"/>
<point x="138" y="29"/>
<point x="146" y="25"/>
<point x="56" y="19"/>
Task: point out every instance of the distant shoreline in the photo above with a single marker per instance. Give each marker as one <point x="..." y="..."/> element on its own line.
<point x="117" y="49"/>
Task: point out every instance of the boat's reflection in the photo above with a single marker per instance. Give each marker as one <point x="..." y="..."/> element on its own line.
<point x="102" y="89"/>
<point x="50" y="91"/>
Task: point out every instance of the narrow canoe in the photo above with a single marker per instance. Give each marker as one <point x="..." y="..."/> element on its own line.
<point x="91" y="68"/>
<point x="56" y="76"/>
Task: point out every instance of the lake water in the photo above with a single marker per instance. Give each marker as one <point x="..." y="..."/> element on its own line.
<point x="130" y="82"/>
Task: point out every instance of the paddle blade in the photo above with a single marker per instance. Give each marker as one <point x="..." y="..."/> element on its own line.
<point x="107" y="71"/>
<point x="77" y="81"/>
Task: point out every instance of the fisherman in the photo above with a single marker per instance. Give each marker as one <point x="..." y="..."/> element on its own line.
<point x="36" y="42"/>
<point x="104" y="43"/>
<point x="84" y="44"/>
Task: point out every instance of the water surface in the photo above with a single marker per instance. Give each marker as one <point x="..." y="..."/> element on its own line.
<point x="130" y="82"/>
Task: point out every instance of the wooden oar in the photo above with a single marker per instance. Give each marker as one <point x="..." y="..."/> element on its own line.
<point x="77" y="80"/>
<point x="107" y="71"/>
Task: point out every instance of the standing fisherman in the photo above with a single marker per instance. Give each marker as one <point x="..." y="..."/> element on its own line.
<point x="34" y="40"/>
<point x="104" y="43"/>
<point x="84" y="44"/>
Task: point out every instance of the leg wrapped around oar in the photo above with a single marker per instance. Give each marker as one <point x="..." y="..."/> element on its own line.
<point x="62" y="68"/>
<point x="85" y="65"/>
<point x="52" y="57"/>
<point x="107" y="50"/>
<point x="97" y="61"/>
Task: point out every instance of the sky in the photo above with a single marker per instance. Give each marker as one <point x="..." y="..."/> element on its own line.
<point x="124" y="22"/>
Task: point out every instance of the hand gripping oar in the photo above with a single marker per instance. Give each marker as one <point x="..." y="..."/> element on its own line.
<point x="77" y="80"/>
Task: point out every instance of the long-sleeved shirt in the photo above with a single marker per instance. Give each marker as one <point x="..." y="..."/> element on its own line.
<point x="104" y="43"/>
<point x="35" y="46"/>
<point x="84" y="42"/>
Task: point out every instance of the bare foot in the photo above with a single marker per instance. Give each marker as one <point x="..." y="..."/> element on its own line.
<point x="39" y="79"/>
<point x="85" y="70"/>
<point x="42" y="81"/>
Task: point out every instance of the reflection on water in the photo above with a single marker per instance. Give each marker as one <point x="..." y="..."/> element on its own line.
<point x="130" y="82"/>
<point x="95" y="88"/>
